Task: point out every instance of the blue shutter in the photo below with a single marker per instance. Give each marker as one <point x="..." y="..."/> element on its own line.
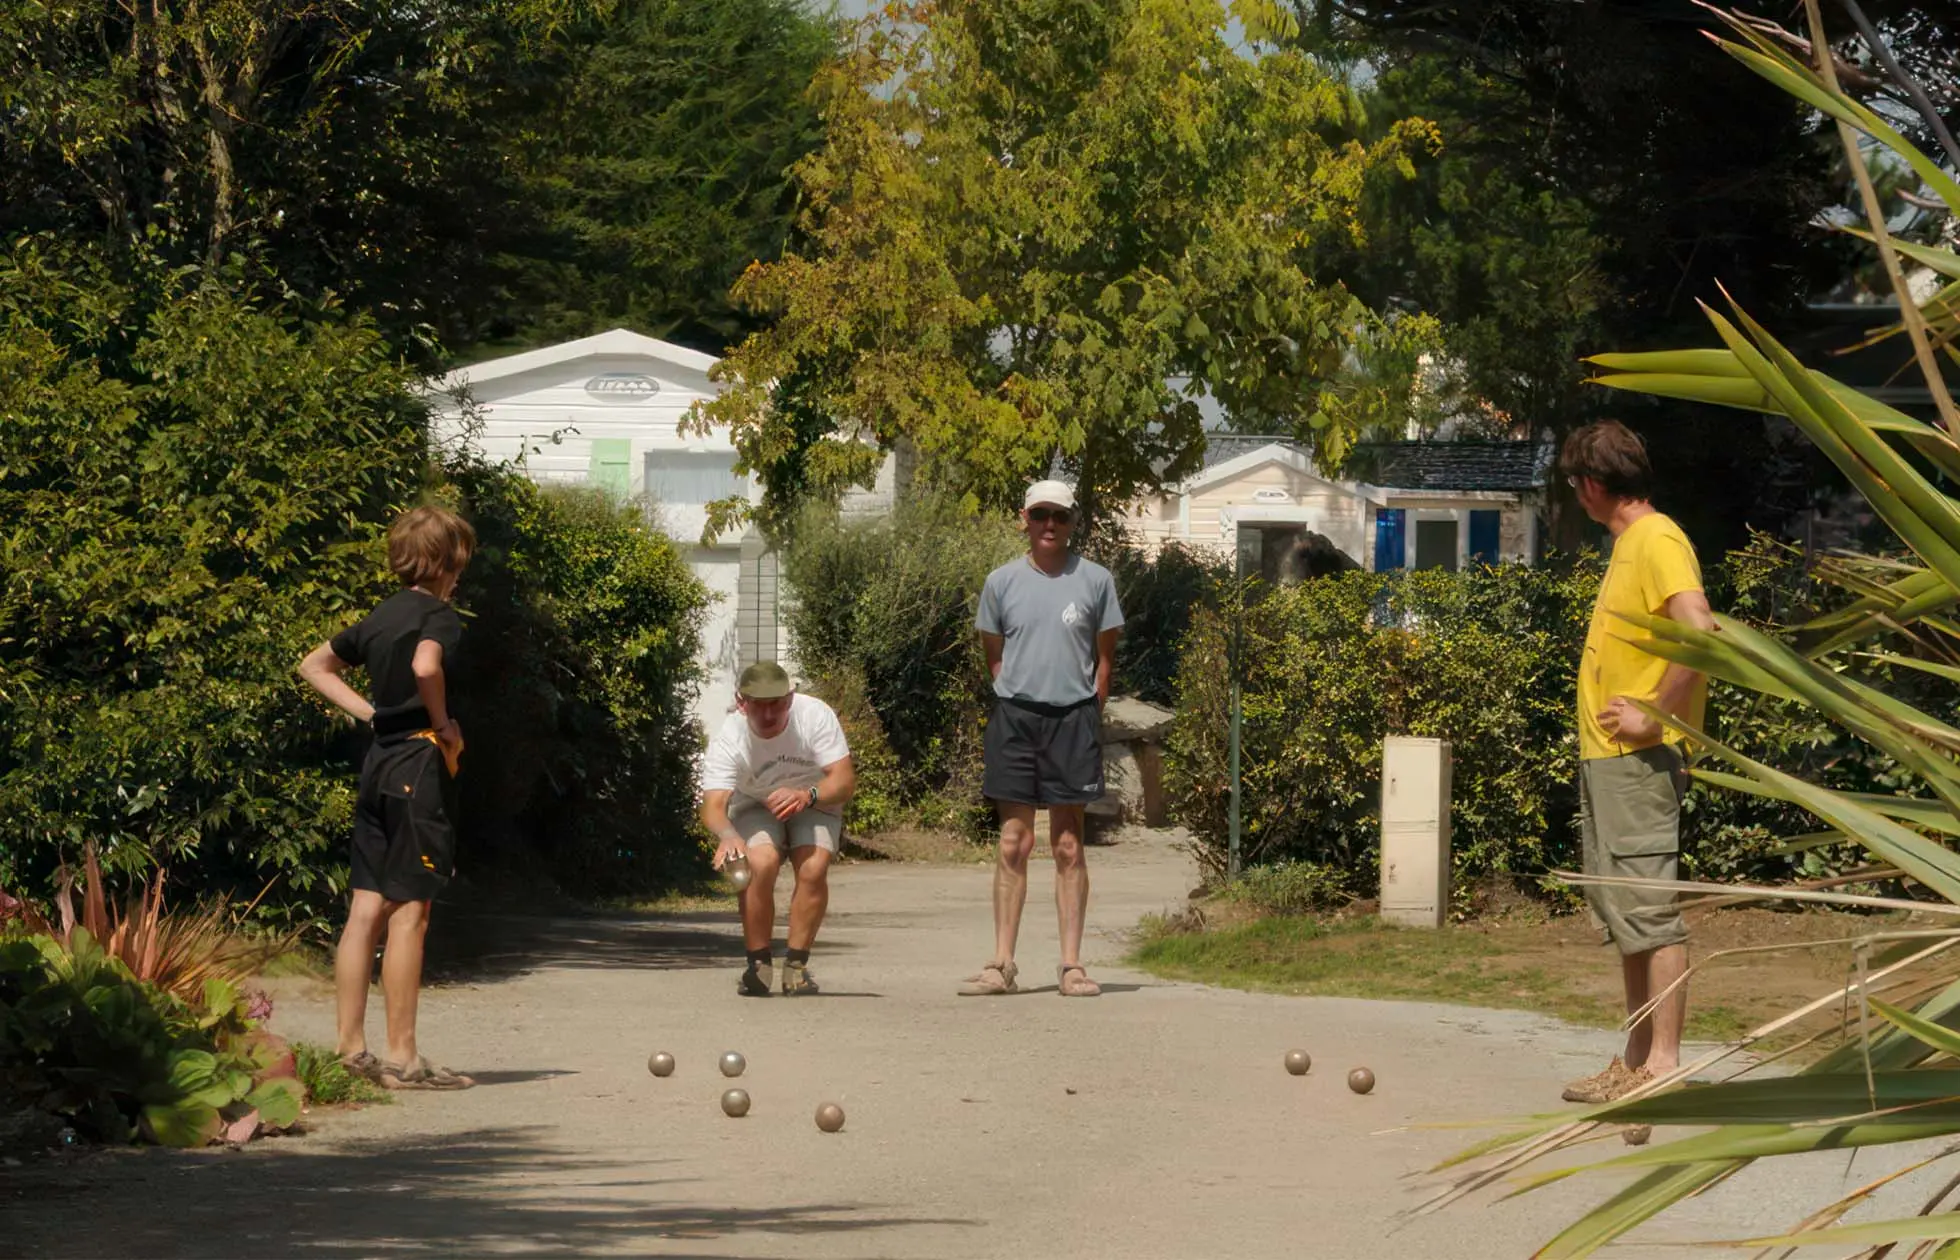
<point x="1389" y="526"/>
<point x="1483" y="536"/>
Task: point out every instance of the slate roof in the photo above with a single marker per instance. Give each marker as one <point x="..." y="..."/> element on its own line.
<point x="1518" y="467"/>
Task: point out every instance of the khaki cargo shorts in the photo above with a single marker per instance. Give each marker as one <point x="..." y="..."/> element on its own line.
<point x="810" y="827"/>
<point x="1630" y="825"/>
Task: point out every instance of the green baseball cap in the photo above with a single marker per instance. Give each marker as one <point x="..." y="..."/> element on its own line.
<point x="764" y="680"/>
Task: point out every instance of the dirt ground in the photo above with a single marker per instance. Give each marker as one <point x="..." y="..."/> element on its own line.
<point x="1156" y="1121"/>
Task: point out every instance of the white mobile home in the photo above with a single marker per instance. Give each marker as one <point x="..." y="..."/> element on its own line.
<point x="606" y="411"/>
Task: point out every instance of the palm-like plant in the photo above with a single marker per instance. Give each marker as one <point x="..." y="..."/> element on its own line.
<point x="1898" y="1080"/>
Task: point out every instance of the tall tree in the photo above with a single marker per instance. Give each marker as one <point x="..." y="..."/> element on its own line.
<point x="1036" y="231"/>
<point x="658" y="171"/>
<point x="465" y="170"/>
<point x="1603" y="170"/>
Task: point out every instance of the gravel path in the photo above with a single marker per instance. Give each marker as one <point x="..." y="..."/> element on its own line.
<point x="1156" y="1121"/>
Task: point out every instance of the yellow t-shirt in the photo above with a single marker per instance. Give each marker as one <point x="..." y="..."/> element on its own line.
<point x="1653" y="561"/>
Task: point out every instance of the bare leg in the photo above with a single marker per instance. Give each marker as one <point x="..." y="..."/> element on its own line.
<point x="759" y="898"/>
<point x="353" y="968"/>
<point x="1071" y="878"/>
<point x="401" y="976"/>
<point x="1664" y="966"/>
<point x="1011" y="876"/>
<point x="1640" y="1038"/>
<point x="812" y="895"/>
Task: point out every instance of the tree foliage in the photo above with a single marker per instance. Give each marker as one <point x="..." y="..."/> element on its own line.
<point x="1038" y="230"/>
<point x="462" y="170"/>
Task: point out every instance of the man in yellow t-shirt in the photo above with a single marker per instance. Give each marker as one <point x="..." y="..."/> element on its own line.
<point x="1631" y="772"/>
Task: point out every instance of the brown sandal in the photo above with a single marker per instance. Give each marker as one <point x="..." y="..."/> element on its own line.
<point x="1078" y="986"/>
<point x="422" y="1074"/>
<point x="996" y="979"/>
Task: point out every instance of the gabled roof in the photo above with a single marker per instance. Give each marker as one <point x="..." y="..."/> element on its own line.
<point x="1243" y="454"/>
<point x="1517" y="467"/>
<point x="618" y="342"/>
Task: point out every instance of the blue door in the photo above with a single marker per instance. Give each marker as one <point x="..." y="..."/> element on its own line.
<point x="1390" y="525"/>
<point x="1483" y="536"/>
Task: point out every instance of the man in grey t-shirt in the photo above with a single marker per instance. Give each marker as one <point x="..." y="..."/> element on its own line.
<point x="1049" y="621"/>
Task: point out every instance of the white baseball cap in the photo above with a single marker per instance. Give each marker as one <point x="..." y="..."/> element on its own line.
<point x="1054" y="493"/>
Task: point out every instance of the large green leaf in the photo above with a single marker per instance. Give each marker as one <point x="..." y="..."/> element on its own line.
<point x="1806" y="1099"/>
<point x="1869" y="1234"/>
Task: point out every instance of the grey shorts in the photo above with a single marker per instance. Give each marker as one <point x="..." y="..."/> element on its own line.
<point x="812" y="826"/>
<point x="1630" y="825"/>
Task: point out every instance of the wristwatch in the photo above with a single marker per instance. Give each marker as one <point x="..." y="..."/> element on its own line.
<point x="813" y="798"/>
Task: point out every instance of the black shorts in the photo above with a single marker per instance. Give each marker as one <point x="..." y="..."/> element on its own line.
<point x="1042" y="754"/>
<point x="404" y="839"/>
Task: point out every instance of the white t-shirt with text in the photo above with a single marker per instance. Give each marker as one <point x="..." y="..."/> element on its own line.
<point x="740" y="762"/>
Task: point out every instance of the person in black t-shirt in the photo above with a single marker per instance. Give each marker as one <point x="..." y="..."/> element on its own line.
<point x="404" y="838"/>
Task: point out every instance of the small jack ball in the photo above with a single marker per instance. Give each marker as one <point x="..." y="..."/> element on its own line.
<point x="1298" y="1061"/>
<point x="660" y="1063"/>
<point x="1361" y="1080"/>
<point x="736" y="1102"/>
<point x="830" y="1117"/>
<point x="733" y="1064"/>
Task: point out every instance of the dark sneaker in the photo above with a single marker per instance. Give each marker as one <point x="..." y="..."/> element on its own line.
<point x="798" y="982"/>
<point x="753" y="983"/>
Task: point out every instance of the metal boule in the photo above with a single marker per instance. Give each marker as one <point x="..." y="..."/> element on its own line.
<point x="735" y="1102"/>
<point x="830" y="1117"/>
<point x="733" y="1064"/>
<point x="660" y="1063"/>
<point x="1298" y="1062"/>
<point x="1361" y="1080"/>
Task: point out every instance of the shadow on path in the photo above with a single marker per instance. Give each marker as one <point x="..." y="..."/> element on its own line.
<point x="504" y="1190"/>
<point x="470" y="943"/>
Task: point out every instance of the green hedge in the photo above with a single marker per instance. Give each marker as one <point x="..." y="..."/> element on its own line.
<point x="573" y="682"/>
<point x="195" y="485"/>
<point x="1485" y="659"/>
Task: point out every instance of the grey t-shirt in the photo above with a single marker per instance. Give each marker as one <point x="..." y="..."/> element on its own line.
<point x="1050" y="624"/>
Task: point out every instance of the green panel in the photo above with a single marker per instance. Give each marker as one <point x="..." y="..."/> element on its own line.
<point x="611" y="467"/>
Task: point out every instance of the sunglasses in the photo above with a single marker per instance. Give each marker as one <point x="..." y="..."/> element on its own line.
<point x="1043" y="515"/>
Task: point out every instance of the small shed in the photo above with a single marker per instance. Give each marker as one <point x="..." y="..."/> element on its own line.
<point x="606" y="411"/>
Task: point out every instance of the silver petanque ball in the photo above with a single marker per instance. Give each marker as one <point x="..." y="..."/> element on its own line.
<point x="733" y="1064"/>
<point x="1361" y="1080"/>
<point x="1298" y="1062"/>
<point x="735" y="1102"/>
<point x="738" y="873"/>
<point x="830" y="1117"/>
<point x="660" y="1063"/>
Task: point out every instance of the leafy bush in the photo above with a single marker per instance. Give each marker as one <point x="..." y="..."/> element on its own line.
<point x="573" y="683"/>
<point x="1160" y="593"/>
<point x="83" y="1038"/>
<point x="194" y="483"/>
<point x="1485" y="659"/>
<point x="1288" y="888"/>
<point x="876" y="804"/>
<point x="328" y="1082"/>
<point x="890" y="600"/>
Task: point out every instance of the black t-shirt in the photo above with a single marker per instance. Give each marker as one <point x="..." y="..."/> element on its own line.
<point x="385" y="641"/>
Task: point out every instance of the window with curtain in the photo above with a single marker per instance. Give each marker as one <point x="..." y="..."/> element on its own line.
<point x="692" y="477"/>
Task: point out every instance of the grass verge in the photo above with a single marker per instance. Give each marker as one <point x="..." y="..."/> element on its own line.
<point x="1553" y="968"/>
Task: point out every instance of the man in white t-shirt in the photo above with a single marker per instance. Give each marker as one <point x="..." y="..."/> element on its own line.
<point x="776" y="778"/>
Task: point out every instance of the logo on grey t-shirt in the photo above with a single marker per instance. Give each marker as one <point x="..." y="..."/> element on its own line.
<point x="1071" y="615"/>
